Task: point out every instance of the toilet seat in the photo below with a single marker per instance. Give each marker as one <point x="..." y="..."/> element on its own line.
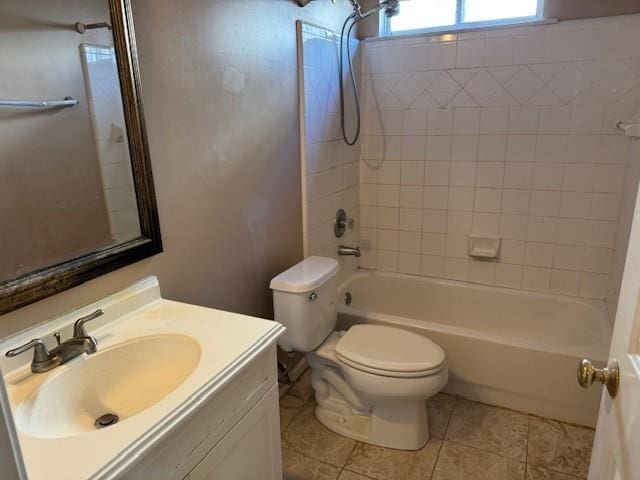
<point x="389" y="352"/>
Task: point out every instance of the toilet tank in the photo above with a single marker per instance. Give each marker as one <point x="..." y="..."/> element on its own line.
<point x="305" y="302"/>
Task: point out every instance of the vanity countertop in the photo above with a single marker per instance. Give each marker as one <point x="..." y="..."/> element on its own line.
<point x="227" y="341"/>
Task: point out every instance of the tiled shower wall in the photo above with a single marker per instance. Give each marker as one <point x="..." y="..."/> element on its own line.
<point x="107" y="118"/>
<point x="329" y="167"/>
<point x="506" y="132"/>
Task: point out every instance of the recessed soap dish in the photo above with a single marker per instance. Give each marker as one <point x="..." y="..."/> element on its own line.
<point x="484" y="247"/>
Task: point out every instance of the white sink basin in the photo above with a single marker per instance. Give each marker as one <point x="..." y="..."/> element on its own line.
<point x="124" y="380"/>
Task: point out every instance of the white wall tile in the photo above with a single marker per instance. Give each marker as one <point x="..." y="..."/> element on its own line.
<point x="487" y="200"/>
<point x="412" y="172"/>
<point x="432" y="266"/>
<point x="568" y="257"/>
<point x="500" y="51"/>
<point x="518" y="175"/>
<point x="579" y="177"/>
<point x="408" y="263"/>
<point x="411" y="196"/>
<point x="440" y="121"/>
<point x="538" y="254"/>
<point x="459" y="222"/>
<point x="547" y="176"/>
<point x="489" y="174"/>
<point x="492" y="148"/>
<point x="551" y="148"/>
<point x="509" y="276"/>
<point x="443" y="55"/>
<point x="436" y="198"/>
<point x="512" y="251"/>
<point x="513" y="227"/>
<point x="464" y="148"/>
<point x="545" y="203"/>
<point x="456" y="269"/>
<point x="414" y="122"/>
<point x="463" y="174"/>
<point x="434" y="221"/>
<point x="521" y="148"/>
<point x="387" y="240"/>
<point x="410" y="219"/>
<point x="530" y="49"/>
<point x="536" y="278"/>
<point x="523" y="120"/>
<point x="506" y="132"/>
<point x="494" y="120"/>
<point x="572" y="231"/>
<point x="516" y="201"/>
<point x="483" y="272"/>
<point x="438" y="148"/>
<point x="433" y="244"/>
<point x="470" y="53"/>
<point x="565" y="282"/>
<point x="466" y="121"/>
<point x="388" y="173"/>
<point x="555" y="120"/>
<point x="414" y="147"/>
<point x="461" y="198"/>
<point x="575" y="204"/>
<point x="437" y="173"/>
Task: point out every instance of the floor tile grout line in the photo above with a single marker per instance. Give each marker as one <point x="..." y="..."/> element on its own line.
<point x="456" y="405"/>
<point x="571" y="475"/>
<point x="526" y="457"/>
<point x="308" y="457"/>
<point x="351" y="454"/>
<point x="435" y="463"/>
<point x="556" y="471"/>
<point x="485" y="451"/>
<point x="446" y="428"/>
<point x="295" y="415"/>
<point x="345" y="469"/>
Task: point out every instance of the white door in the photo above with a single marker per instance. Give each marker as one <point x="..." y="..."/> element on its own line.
<point x="616" y="450"/>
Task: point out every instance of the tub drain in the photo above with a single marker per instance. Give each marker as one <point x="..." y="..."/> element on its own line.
<point x="107" y="420"/>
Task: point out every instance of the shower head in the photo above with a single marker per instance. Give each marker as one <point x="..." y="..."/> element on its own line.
<point x="390" y="8"/>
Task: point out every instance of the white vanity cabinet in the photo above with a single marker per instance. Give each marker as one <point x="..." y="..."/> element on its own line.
<point x="195" y="389"/>
<point x="234" y="436"/>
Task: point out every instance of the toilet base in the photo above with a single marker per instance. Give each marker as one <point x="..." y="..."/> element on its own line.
<point x="402" y="427"/>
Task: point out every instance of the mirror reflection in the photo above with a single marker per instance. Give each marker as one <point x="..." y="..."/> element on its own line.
<point x="66" y="184"/>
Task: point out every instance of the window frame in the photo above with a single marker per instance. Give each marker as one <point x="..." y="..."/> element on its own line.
<point x="459" y="25"/>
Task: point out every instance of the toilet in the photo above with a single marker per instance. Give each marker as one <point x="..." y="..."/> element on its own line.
<point x="371" y="382"/>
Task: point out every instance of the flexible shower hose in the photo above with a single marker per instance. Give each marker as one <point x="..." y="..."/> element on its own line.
<point x="349" y="141"/>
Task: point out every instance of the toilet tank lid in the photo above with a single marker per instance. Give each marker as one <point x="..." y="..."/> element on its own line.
<point x="305" y="276"/>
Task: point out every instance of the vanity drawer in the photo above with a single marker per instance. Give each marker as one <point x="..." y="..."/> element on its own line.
<point x="179" y="453"/>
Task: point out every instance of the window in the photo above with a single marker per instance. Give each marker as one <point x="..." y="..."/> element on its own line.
<point x="438" y="15"/>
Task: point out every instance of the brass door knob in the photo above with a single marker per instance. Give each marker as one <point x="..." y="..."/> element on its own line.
<point x="609" y="375"/>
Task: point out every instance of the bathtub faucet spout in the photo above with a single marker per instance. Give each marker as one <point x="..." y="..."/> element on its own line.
<point x="344" y="250"/>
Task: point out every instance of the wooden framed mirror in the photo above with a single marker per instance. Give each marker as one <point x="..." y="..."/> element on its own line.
<point x="77" y="196"/>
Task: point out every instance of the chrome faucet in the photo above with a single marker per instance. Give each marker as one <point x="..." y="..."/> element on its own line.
<point x="344" y="250"/>
<point x="45" y="360"/>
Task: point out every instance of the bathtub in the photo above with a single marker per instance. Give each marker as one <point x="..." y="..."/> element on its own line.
<point x="504" y="347"/>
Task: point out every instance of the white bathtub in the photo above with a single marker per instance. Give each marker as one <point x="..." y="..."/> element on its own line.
<point x="504" y="347"/>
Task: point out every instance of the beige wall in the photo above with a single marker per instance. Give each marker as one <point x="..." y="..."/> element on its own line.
<point x="221" y="96"/>
<point x="560" y="9"/>
<point x="572" y="9"/>
<point x="51" y="201"/>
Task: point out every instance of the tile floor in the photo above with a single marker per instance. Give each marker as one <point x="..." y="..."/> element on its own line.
<point x="469" y="441"/>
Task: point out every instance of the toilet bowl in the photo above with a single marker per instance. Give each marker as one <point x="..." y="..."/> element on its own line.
<point x="371" y="382"/>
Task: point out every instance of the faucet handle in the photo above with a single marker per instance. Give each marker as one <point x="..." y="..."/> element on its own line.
<point x="42" y="358"/>
<point x="78" y="328"/>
